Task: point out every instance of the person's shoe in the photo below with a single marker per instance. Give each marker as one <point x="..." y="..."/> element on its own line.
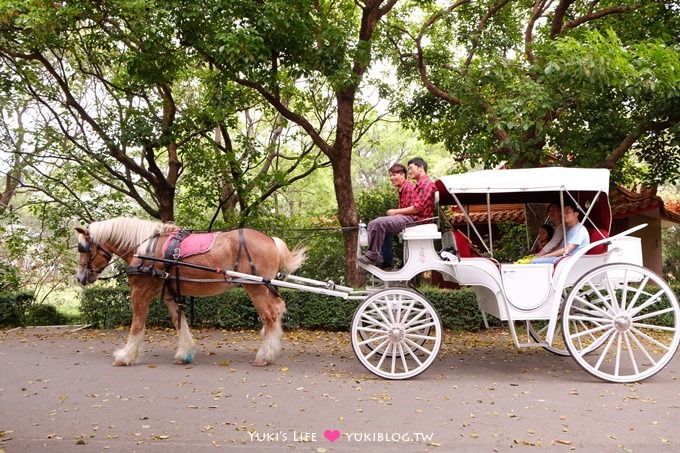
<point x="366" y="260"/>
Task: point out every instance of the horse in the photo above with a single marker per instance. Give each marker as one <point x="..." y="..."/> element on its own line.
<point x="141" y="242"/>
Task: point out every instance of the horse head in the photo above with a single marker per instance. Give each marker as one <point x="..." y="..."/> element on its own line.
<point x="93" y="258"/>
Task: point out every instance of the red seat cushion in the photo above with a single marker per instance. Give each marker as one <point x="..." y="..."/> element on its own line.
<point x="596" y="235"/>
<point x="464" y="245"/>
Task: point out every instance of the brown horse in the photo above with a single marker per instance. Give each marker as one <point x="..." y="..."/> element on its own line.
<point x="245" y="251"/>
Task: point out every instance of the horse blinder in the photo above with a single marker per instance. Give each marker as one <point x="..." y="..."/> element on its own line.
<point x="100" y="251"/>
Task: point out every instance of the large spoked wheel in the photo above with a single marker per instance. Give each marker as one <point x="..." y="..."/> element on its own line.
<point x="396" y="333"/>
<point x="538" y="330"/>
<point x="621" y="322"/>
<point x="539" y="333"/>
<point x="371" y="331"/>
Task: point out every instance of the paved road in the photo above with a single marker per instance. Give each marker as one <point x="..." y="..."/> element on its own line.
<point x="59" y="392"/>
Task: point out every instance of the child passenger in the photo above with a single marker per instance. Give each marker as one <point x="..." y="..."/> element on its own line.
<point x="545" y="234"/>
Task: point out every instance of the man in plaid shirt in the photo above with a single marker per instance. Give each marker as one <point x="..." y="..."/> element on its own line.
<point x="406" y="191"/>
<point x="413" y="207"/>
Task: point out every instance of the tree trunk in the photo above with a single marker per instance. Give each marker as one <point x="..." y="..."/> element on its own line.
<point x="341" y="159"/>
<point x="11" y="183"/>
<point x="166" y="205"/>
<point x="347" y="215"/>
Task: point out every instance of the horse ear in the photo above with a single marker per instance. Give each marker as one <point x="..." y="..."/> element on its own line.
<point x="82" y="231"/>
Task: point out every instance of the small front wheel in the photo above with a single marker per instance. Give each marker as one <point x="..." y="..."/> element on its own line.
<point x="396" y="333"/>
<point x="621" y="323"/>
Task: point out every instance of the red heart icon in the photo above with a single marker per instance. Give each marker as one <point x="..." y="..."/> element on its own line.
<point x="331" y="435"/>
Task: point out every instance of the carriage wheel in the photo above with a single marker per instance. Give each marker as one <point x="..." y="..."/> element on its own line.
<point x="621" y="323"/>
<point x="371" y="331"/>
<point x="396" y="333"/>
<point x="538" y="330"/>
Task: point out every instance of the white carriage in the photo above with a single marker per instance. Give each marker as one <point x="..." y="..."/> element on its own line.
<point x="616" y="318"/>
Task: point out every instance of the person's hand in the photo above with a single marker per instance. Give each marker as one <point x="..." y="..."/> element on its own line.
<point x="392" y="212"/>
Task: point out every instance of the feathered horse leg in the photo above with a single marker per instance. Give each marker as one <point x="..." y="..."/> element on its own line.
<point x="185" y="341"/>
<point x="141" y="299"/>
<point x="271" y="309"/>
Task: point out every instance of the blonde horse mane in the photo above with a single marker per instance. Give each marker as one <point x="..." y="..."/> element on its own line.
<point x="127" y="232"/>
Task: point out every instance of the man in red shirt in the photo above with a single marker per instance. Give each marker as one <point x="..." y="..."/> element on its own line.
<point x="406" y="191"/>
<point x="412" y="208"/>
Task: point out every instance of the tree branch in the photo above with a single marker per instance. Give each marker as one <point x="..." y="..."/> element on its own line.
<point x="480" y="27"/>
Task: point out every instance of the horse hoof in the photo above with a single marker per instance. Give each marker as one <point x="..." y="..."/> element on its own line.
<point x="120" y="363"/>
<point x="186" y="360"/>
<point x="259" y="362"/>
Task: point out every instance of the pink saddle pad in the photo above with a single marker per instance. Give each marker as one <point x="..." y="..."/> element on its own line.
<point x="194" y="244"/>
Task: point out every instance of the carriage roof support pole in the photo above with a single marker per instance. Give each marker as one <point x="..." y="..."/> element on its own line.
<point x="469" y="221"/>
<point x="529" y="206"/>
<point x="586" y="215"/>
<point x="564" y="225"/>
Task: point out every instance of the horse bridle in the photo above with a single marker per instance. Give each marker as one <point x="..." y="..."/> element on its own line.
<point x="100" y="251"/>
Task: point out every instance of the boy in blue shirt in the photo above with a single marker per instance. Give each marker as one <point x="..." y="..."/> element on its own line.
<point x="576" y="238"/>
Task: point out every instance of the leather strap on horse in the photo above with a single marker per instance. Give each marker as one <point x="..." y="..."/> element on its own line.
<point x="242" y="246"/>
<point x="143" y="268"/>
<point x="172" y="251"/>
<point x="172" y="254"/>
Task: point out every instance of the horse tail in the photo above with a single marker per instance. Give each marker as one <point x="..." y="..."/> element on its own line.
<point x="290" y="260"/>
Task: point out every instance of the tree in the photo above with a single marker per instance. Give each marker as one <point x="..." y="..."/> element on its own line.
<point x="302" y="58"/>
<point x="568" y="82"/>
<point x="129" y="112"/>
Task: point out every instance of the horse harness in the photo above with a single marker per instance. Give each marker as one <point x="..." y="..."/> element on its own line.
<point x="87" y="248"/>
<point x="172" y="264"/>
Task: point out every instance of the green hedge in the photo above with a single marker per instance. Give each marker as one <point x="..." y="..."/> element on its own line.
<point x="110" y="307"/>
<point x="44" y="315"/>
<point x="13" y="308"/>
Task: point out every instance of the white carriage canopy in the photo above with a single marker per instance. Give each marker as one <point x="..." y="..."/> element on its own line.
<point x="588" y="187"/>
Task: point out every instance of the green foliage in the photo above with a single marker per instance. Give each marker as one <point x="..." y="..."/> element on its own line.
<point x="110" y="307"/>
<point x="457" y="308"/>
<point x="375" y="203"/>
<point x="44" y="315"/>
<point x="512" y="244"/>
<point x="9" y="278"/>
<point x="13" y="307"/>
<point x="325" y="257"/>
<point x="591" y="88"/>
<point x="105" y="308"/>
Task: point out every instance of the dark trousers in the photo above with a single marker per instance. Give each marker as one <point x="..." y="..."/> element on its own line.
<point x="378" y="228"/>
<point x="387" y="254"/>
